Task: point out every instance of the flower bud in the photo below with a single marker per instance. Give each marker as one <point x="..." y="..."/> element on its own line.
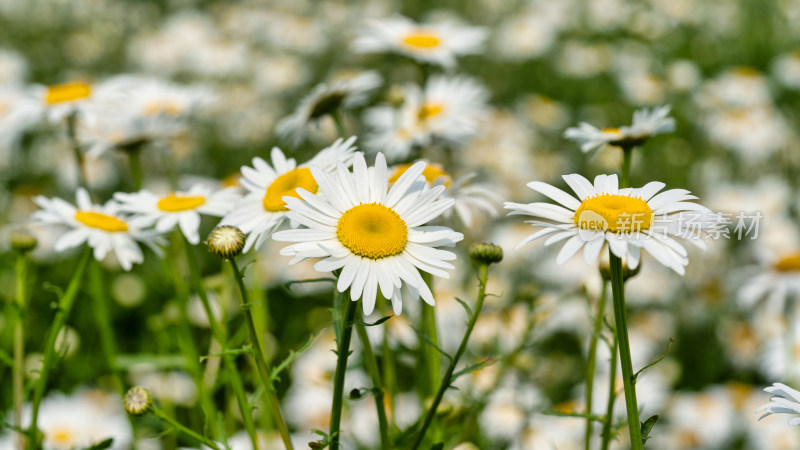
<point x="226" y="241"/>
<point x="486" y="253"/>
<point x="627" y="272"/>
<point x="138" y="401"/>
<point x="22" y="241"/>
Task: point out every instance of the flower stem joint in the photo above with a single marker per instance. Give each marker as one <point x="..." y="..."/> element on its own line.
<point x="486" y="253"/>
<point x="226" y="241"/>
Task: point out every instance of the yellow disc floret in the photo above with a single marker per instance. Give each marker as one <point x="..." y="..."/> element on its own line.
<point x="432" y="174"/>
<point x="101" y="221"/>
<point x="429" y="110"/>
<point x="372" y="231"/>
<point x="177" y="203"/>
<point x="286" y="185"/>
<point x="612" y="212"/>
<point x="789" y="263"/>
<point x="422" y="39"/>
<point x="67" y="92"/>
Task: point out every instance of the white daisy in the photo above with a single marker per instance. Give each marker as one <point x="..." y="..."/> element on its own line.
<point x="435" y="43"/>
<point x="646" y="124"/>
<point x="628" y="220"/>
<point x="181" y="209"/>
<point x="77" y="97"/>
<point x="448" y="108"/>
<point x="471" y="199"/>
<point x="152" y="110"/>
<point x="99" y="226"/>
<point x="375" y="234"/>
<point x="778" y="284"/>
<point x="263" y="208"/>
<point x="324" y="99"/>
<point x="785" y="400"/>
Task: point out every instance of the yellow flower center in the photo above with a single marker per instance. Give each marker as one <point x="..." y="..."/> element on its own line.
<point x="176" y="203"/>
<point x="62" y="436"/>
<point x="372" y="231"/>
<point x="101" y="221"/>
<point x="429" y="110"/>
<point x="789" y="263"/>
<point x="422" y="39"/>
<point x="610" y="130"/>
<point x="286" y="185"/>
<point x="616" y="213"/>
<point x="432" y="173"/>
<point x="67" y="92"/>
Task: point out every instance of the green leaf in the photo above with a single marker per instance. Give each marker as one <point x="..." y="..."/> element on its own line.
<point x="430" y="342"/>
<point x="593" y="417"/>
<point x="647" y="427"/>
<point x="477" y="366"/>
<point x="437" y="446"/>
<point x="663" y="355"/>
<point x="377" y="322"/>
<point x="175" y="361"/>
<point x="466" y="308"/>
<point x="102" y="445"/>
<point x="293" y="355"/>
<point x="232" y="351"/>
<point x="289" y="284"/>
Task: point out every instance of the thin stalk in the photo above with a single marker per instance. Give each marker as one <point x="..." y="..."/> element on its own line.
<point x="64" y="307"/>
<point x="612" y="396"/>
<point x="135" y="159"/>
<point x="19" y="343"/>
<point x="342" y="352"/>
<point x="598" y="326"/>
<point x="621" y="325"/>
<point x="103" y="319"/>
<point x="219" y="335"/>
<point x="338" y="119"/>
<point x="432" y="357"/>
<point x="269" y="388"/>
<point x="371" y="364"/>
<point x="76" y="150"/>
<point x="389" y="374"/>
<point x="483" y="272"/>
<point x="186" y="342"/>
<point x="179" y="427"/>
<point x="624" y="179"/>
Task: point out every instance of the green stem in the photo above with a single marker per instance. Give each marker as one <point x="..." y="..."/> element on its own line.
<point x="135" y="159"/>
<point x="269" y="388"/>
<point x="186" y="342"/>
<point x="342" y="352"/>
<point x="598" y="326"/>
<point x="219" y="334"/>
<point x="179" y="427"/>
<point x="76" y="149"/>
<point x="483" y="272"/>
<point x="621" y="325"/>
<point x="19" y="342"/>
<point x="103" y="318"/>
<point x="338" y="119"/>
<point x="371" y="364"/>
<point x="64" y="307"/>
<point x="432" y="357"/>
<point x="624" y="179"/>
<point x="389" y="373"/>
<point x="612" y="396"/>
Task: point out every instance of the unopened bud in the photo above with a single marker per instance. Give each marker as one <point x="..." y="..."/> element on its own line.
<point x="22" y="241"/>
<point x="486" y="253"/>
<point x="627" y="272"/>
<point x="226" y="241"/>
<point x="138" y="401"/>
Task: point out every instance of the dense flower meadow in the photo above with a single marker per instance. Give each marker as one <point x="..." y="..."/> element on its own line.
<point x="399" y="224"/>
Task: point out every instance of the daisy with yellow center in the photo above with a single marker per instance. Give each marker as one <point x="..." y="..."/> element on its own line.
<point x="448" y="108"/>
<point x="627" y="220"/>
<point x="263" y="209"/>
<point x="777" y="284"/>
<point x="471" y="199"/>
<point x="181" y="209"/>
<point x="374" y="233"/>
<point x="100" y="226"/>
<point x="434" y="43"/>
<point x="646" y="124"/>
